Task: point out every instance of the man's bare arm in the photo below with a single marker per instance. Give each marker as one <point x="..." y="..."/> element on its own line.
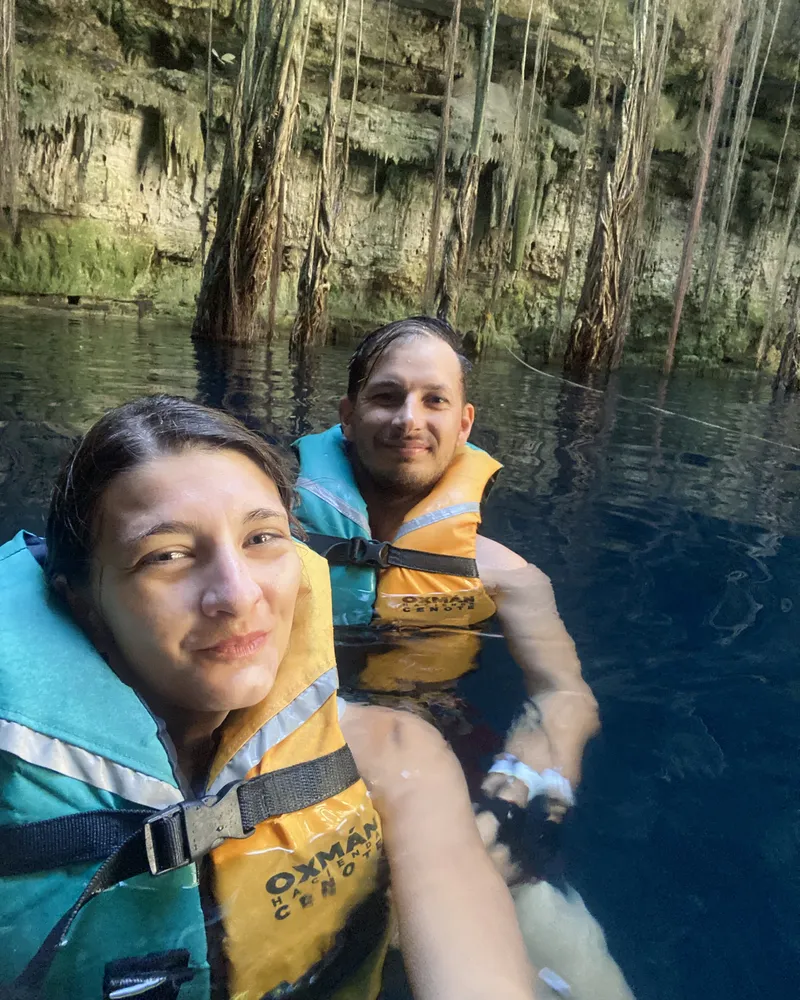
<point x="539" y="642"/>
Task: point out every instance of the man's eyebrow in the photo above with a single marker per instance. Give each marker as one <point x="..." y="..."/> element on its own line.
<point x="393" y="383"/>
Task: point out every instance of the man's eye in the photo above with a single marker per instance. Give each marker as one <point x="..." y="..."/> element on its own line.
<point x="437" y="400"/>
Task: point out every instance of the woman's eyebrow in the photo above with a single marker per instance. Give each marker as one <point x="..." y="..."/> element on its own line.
<point x="264" y="514"/>
<point x="162" y="528"/>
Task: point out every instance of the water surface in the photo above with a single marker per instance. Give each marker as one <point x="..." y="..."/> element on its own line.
<point x="674" y="549"/>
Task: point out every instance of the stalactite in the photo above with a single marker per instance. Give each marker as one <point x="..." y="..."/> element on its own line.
<point x="263" y="119"/>
<point x="780" y="270"/>
<point x="441" y="156"/>
<point x="598" y="332"/>
<point x="736" y="154"/>
<point x="577" y="196"/>
<point x="787" y="377"/>
<point x="722" y="62"/>
<point x="311" y="321"/>
<point x="457" y="247"/>
<point x="9" y="111"/>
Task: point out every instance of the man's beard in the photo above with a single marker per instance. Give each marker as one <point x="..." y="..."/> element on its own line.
<point x="401" y="482"/>
<point x="398" y="483"/>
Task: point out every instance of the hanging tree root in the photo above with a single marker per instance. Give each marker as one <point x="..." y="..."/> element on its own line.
<point x="577" y="195"/>
<point x="509" y="186"/>
<point x="598" y="331"/>
<point x="313" y="286"/>
<point x="722" y="62"/>
<point x="263" y="119"/>
<point x="457" y="247"/>
<point x="788" y="374"/>
<point x="736" y="153"/>
<point x="441" y="156"/>
<point x="9" y="111"/>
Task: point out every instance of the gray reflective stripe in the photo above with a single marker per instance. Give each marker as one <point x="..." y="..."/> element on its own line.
<point x="333" y="501"/>
<point x="278" y="728"/>
<point x="434" y="516"/>
<point x="90" y="768"/>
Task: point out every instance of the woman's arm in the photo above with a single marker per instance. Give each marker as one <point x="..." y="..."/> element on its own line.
<point x="458" y="929"/>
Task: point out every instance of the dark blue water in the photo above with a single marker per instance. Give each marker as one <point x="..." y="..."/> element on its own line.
<point x="674" y="549"/>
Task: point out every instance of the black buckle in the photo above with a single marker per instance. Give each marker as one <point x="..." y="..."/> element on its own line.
<point x="368" y="552"/>
<point x="203" y="825"/>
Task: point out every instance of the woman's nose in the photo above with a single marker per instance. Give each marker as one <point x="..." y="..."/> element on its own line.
<point x="230" y="588"/>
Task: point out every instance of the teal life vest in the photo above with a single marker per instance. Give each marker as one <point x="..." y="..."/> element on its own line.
<point x="79" y="751"/>
<point x="428" y="573"/>
<point x="331" y="504"/>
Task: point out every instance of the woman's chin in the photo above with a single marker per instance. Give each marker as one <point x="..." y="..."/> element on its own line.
<point x="244" y="688"/>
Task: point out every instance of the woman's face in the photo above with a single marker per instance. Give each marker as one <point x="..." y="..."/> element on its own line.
<point x="195" y="577"/>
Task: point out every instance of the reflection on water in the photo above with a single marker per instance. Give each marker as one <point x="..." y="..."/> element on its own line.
<point x="675" y="552"/>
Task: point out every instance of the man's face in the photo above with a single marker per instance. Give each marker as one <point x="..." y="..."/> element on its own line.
<point x="410" y="415"/>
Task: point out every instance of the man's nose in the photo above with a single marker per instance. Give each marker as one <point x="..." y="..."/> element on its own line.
<point x="230" y="588"/>
<point x="408" y="414"/>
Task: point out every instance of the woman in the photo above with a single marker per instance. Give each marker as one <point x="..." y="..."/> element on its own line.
<point x="193" y="658"/>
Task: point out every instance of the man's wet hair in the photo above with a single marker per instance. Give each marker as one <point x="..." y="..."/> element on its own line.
<point x="372" y="347"/>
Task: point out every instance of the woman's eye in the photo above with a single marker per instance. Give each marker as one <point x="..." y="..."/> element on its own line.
<point x="171" y="555"/>
<point x="263" y="537"/>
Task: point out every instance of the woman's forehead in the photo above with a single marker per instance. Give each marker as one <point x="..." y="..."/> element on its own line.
<point x="195" y="486"/>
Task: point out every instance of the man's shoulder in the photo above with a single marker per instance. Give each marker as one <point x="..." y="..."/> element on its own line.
<point x="491" y="556"/>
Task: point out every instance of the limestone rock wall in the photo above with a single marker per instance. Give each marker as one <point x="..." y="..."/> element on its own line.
<point x="113" y="181"/>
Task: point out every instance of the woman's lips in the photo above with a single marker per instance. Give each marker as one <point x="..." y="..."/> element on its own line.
<point x="237" y="647"/>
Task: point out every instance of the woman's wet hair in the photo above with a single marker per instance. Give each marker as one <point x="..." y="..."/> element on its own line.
<point x="127" y="436"/>
<point x="372" y="347"/>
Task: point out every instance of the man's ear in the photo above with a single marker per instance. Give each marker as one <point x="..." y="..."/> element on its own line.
<point x="346" y="409"/>
<point x="467" y="420"/>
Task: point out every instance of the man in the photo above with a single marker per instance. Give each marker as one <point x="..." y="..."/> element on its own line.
<point x="399" y="470"/>
<point x="392" y="497"/>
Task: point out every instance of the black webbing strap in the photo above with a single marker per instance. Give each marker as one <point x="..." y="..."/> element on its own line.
<point x="382" y="555"/>
<point x="163" y="841"/>
<point x="67" y="840"/>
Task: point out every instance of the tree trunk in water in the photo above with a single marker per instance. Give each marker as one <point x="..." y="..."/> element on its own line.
<point x="788" y="375"/>
<point x="457" y="247"/>
<point x="598" y="332"/>
<point x="722" y="64"/>
<point x="578" y="193"/>
<point x="736" y="154"/>
<point x="263" y="119"/>
<point x="311" y="322"/>
<point x="9" y="110"/>
<point x="441" y="156"/>
<point x="763" y="343"/>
